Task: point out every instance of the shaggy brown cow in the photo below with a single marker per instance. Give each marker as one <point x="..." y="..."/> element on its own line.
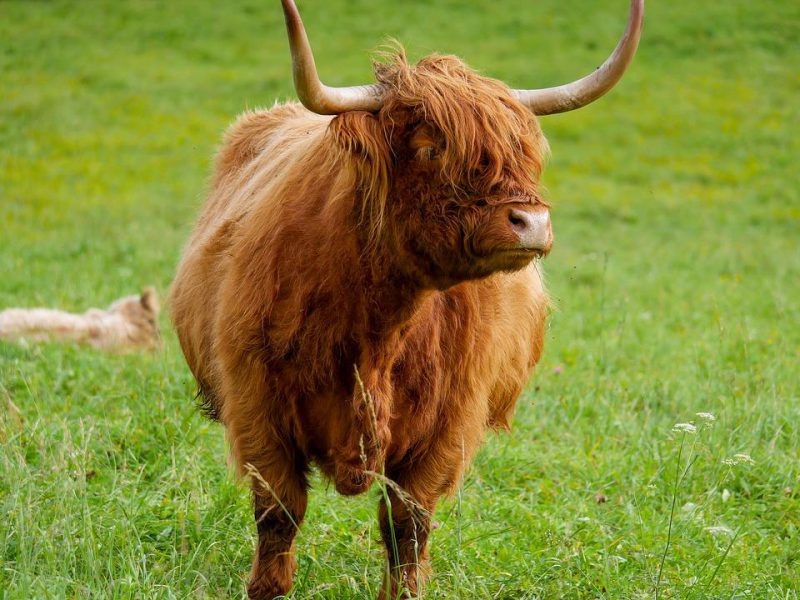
<point x="392" y="244"/>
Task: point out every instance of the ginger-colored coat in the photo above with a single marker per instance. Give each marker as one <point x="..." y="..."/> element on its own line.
<point x="372" y="243"/>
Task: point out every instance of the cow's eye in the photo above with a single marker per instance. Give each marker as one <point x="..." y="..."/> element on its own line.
<point x="428" y="153"/>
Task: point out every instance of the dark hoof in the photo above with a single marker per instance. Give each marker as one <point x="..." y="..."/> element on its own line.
<point x="264" y="590"/>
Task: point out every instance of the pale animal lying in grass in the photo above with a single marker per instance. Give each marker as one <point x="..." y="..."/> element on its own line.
<point x="129" y="323"/>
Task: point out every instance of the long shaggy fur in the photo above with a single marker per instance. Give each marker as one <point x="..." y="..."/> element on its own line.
<point x="484" y="135"/>
<point x="365" y="243"/>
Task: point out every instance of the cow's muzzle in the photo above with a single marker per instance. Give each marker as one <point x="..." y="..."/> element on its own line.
<point x="532" y="228"/>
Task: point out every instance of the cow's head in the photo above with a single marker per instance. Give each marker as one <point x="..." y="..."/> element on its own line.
<point x="448" y="161"/>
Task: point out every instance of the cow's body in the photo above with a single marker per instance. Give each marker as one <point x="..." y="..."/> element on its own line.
<point x="279" y="299"/>
<point x="456" y="359"/>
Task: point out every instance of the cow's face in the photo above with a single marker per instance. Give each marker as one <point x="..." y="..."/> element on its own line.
<point x="451" y="231"/>
<point x="449" y="170"/>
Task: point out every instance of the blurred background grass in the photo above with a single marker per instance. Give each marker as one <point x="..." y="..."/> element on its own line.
<point x="675" y="277"/>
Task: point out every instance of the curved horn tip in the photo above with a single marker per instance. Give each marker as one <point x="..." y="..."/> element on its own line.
<point x="316" y="96"/>
<point x="586" y="90"/>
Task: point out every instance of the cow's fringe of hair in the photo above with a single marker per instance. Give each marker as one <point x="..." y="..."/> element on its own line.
<point x="364" y="150"/>
<point x="485" y="130"/>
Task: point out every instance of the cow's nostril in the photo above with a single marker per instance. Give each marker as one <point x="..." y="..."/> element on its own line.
<point x="518" y="220"/>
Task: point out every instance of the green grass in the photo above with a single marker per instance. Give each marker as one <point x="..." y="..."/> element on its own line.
<point x="675" y="275"/>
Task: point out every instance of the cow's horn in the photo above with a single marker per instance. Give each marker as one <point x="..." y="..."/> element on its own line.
<point x="315" y="95"/>
<point x="579" y="93"/>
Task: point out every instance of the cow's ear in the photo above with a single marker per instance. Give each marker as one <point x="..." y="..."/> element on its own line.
<point x="360" y="134"/>
<point x="149" y="301"/>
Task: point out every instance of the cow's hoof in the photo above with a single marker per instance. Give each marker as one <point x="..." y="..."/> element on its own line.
<point x="394" y="595"/>
<point x="258" y="589"/>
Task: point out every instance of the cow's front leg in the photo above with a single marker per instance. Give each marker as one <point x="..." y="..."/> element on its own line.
<point x="416" y="488"/>
<point x="259" y="420"/>
<point x="405" y="525"/>
<point x="277" y="471"/>
<point x="279" y="500"/>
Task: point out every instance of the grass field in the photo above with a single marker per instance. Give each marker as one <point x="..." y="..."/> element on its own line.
<point x="675" y="277"/>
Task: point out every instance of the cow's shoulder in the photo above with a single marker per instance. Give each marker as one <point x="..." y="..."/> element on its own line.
<point x="254" y="131"/>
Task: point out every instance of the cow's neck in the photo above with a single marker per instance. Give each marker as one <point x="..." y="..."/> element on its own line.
<point x="391" y="296"/>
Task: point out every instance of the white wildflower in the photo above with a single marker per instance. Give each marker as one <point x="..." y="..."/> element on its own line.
<point x="684" y="428"/>
<point x="693" y="512"/>
<point x="689" y="507"/>
<point x="706" y="416"/>
<point x="719" y="530"/>
<point x="738" y="459"/>
<point x="726" y="495"/>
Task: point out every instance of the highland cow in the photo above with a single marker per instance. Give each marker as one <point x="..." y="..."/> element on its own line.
<point x="361" y="291"/>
